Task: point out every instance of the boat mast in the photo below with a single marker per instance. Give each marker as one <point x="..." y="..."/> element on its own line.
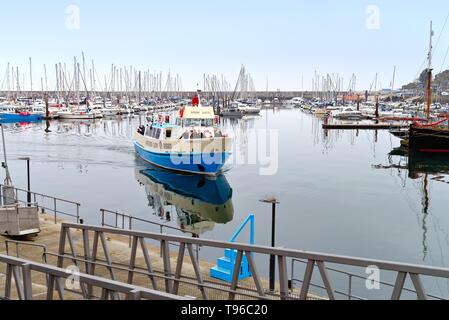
<point x="392" y="85"/>
<point x="31" y="78"/>
<point x="429" y="74"/>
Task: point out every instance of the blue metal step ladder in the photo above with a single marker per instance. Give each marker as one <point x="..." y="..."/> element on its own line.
<point x="225" y="267"/>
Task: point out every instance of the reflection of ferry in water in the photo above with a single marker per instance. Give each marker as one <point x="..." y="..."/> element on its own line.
<point x="198" y="201"/>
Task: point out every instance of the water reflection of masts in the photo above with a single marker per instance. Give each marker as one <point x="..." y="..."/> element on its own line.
<point x="426" y="205"/>
<point x="425" y="201"/>
<point x="241" y="129"/>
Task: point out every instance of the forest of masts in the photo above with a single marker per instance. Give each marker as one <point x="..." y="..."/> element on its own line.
<point x="81" y="79"/>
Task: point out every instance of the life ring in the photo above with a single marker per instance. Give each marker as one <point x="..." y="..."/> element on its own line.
<point x="207" y="134"/>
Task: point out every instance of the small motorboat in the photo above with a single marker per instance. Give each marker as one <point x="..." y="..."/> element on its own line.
<point x="348" y="114"/>
<point x="246" y="109"/>
<point x="81" y="113"/>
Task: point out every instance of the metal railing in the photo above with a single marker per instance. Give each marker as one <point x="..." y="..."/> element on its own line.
<point x="173" y="280"/>
<point x="21" y="271"/>
<point x="48" y="204"/>
<point x="350" y="284"/>
<point x="18" y="244"/>
<point x="127" y="222"/>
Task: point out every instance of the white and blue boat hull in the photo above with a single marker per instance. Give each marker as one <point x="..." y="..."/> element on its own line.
<point x="193" y="162"/>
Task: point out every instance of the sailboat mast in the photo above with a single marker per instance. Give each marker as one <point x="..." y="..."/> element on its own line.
<point x="31" y="77"/>
<point x="392" y="84"/>
<point x="429" y="74"/>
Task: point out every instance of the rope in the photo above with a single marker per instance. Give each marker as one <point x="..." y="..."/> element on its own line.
<point x="441" y="33"/>
<point x="430" y="124"/>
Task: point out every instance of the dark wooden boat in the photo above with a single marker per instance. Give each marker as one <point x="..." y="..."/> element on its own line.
<point x="400" y="133"/>
<point x="429" y="139"/>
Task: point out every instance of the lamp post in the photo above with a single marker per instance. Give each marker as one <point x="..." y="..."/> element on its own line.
<point x="273" y="203"/>
<point x="27" y="159"/>
<point x="8" y="181"/>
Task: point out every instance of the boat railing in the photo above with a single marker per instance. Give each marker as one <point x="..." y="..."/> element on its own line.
<point x="47" y="204"/>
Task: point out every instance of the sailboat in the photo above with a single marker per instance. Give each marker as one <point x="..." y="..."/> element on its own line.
<point x="80" y="110"/>
<point x="267" y="102"/>
<point x="431" y="137"/>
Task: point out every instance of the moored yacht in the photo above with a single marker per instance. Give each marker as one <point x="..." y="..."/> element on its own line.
<point x="247" y="109"/>
<point x="78" y="113"/>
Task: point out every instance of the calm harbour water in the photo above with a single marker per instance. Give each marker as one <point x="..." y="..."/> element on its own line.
<point x="336" y="192"/>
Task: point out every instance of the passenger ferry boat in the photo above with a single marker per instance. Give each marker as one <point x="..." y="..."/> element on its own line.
<point x="192" y="142"/>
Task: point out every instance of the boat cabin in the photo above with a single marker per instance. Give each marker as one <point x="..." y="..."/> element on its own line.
<point x="4" y="108"/>
<point x="191" y="123"/>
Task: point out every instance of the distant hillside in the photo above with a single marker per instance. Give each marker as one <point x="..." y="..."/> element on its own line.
<point x="440" y="81"/>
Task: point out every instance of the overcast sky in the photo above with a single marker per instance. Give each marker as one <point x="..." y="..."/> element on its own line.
<point x="283" y="40"/>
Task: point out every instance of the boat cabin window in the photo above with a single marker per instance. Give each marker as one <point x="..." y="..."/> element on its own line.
<point x="198" y="122"/>
<point x="168" y="133"/>
<point x="153" y="132"/>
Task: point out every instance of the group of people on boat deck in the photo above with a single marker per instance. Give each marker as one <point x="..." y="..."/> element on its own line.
<point x="189" y="134"/>
<point x="196" y="134"/>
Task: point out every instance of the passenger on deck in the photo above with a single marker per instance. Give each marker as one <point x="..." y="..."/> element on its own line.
<point x="196" y="135"/>
<point x="141" y="130"/>
<point x="186" y="135"/>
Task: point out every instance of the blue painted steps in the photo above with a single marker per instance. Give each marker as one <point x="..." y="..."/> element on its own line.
<point x="224" y="269"/>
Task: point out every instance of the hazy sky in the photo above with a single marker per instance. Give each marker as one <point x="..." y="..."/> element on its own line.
<point x="282" y="40"/>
